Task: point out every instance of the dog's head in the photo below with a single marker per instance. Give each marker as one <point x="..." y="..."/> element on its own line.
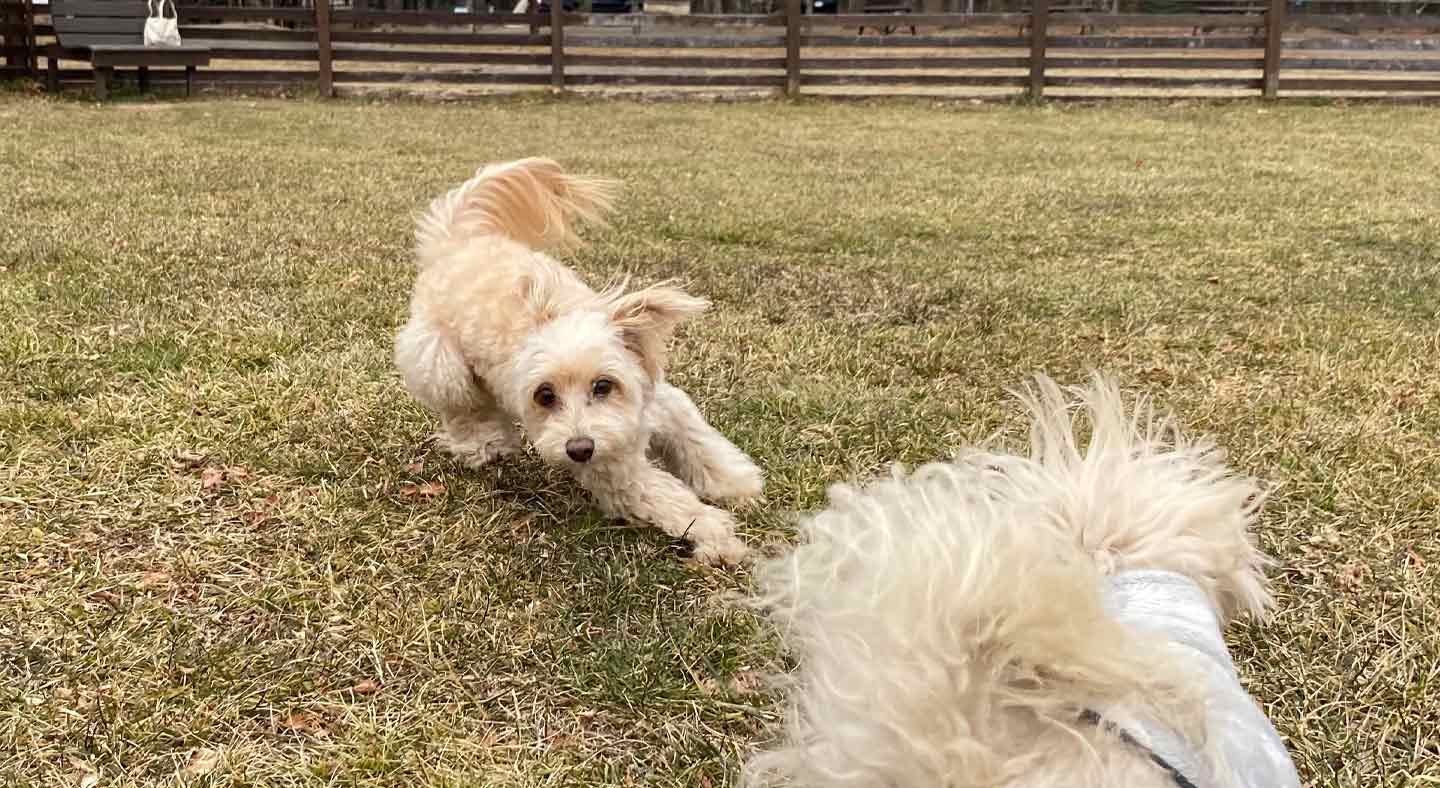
<point x="583" y="379"/>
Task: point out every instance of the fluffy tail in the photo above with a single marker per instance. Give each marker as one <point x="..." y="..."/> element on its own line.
<point x="950" y="625"/>
<point x="532" y="201"/>
<point x="1141" y="494"/>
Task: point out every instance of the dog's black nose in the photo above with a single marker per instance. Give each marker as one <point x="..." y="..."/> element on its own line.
<point x="580" y="449"/>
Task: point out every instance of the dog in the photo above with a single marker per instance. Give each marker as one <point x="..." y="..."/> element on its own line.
<point x="501" y="333"/>
<point x="1041" y="619"/>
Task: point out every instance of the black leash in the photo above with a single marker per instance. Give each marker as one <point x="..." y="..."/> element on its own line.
<point x="1095" y="719"/>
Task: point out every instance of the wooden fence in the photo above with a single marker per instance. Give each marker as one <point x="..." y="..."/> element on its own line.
<point x="1268" y="50"/>
<point x="18" y="48"/>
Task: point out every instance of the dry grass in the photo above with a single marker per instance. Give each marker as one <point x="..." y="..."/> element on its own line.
<point x="229" y="559"/>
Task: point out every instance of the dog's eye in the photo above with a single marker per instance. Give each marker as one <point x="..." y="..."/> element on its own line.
<point x="545" y="396"/>
<point x="601" y="388"/>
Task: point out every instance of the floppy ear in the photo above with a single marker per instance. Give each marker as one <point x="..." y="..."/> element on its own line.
<point x="647" y="318"/>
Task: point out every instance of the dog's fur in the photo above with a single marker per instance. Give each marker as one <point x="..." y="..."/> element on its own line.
<point x="950" y="626"/>
<point x="500" y="332"/>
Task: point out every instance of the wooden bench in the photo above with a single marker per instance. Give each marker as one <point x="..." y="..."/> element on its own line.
<point x="110" y="34"/>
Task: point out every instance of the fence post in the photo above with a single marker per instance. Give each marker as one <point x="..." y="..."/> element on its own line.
<point x="557" y="44"/>
<point x="792" y="48"/>
<point x="30" y="35"/>
<point x="1274" y="38"/>
<point x="1039" y="24"/>
<point x="325" y="75"/>
<point x="32" y="63"/>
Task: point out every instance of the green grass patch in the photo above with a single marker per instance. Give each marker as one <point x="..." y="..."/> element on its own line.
<point x="228" y="553"/>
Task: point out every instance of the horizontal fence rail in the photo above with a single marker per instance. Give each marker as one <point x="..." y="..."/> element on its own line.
<point x="1051" y="50"/>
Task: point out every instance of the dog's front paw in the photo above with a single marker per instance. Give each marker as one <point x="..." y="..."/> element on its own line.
<point x="736" y="485"/>
<point x="713" y="535"/>
<point x="475" y="452"/>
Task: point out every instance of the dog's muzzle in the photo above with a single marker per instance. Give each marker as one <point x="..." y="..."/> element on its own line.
<point x="580" y="449"/>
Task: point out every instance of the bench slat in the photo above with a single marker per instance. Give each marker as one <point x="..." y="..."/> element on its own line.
<point x="149" y="56"/>
<point x="205" y="48"/>
<point x="97" y="39"/>
<point x="83" y="25"/>
<point x="124" y="9"/>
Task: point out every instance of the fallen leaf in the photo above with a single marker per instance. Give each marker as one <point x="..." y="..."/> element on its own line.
<point x="254" y="519"/>
<point x="1214" y="280"/>
<point x="746" y="682"/>
<point x="212" y="477"/>
<point x="85" y="774"/>
<point x="1405" y="397"/>
<point x="188" y="459"/>
<point x="415" y="467"/>
<point x="1353" y="575"/>
<point x="422" y="490"/>
<point x="154" y="579"/>
<point x="301" y="722"/>
<point x="489" y="738"/>
<point x="202" y="761"/>
<point x="366" y="687"/>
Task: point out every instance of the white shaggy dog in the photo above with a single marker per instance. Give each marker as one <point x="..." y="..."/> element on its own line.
<point x="1044" y="620"/>
<point x="500" y="332"/>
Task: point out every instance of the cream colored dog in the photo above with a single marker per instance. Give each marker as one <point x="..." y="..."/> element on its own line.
<point x="1043" y="621"/>
<point x="500" y="332"/>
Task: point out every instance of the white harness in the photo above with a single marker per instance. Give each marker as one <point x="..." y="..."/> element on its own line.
<point x="1251" y="753"/>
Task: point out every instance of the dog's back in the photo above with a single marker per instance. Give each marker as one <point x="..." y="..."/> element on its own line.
<point x="953" y="627"/>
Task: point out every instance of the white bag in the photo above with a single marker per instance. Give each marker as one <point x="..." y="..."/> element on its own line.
<point x="160" y="31"/>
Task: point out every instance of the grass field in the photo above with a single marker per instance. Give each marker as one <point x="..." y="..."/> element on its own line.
<point x="227" y="556"/>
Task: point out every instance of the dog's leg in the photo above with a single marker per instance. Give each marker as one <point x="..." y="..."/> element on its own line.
<point x="474" y="428"/>
<point x="635" y="489"/>
<point x="697" y="453"/>
<point x="476" y="438"/>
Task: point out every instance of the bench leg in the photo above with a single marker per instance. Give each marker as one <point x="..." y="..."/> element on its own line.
<point x="102" y="83"/>
<point x="189" y="80"/>
<point x="52" y="74"/>
<point x="144" y="79"/>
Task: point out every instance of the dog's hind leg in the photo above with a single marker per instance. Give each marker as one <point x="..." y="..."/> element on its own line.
<point x="697" y="453"/>
<point x="473" y="427"/>
<point x="476" y="439"/>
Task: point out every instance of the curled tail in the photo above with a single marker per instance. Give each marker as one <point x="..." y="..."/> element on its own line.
<point x="532" y="201"/>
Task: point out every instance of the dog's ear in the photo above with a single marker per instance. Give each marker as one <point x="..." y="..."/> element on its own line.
<point x="648" y="318"/>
